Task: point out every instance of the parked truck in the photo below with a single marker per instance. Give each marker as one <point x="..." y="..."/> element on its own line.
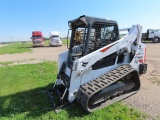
<point x="37" y="38"/>
<point x="55" y="39"/>
<point x="152" y="35"/>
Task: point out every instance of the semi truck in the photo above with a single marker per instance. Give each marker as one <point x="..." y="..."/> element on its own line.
<point x="55" y="39"/>
<point x="37" y="38"/>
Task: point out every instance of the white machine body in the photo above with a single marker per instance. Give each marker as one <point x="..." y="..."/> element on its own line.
<point x="126" y="43"/>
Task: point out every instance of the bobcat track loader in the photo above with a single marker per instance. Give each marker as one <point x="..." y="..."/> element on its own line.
<point x="99" y="69"/>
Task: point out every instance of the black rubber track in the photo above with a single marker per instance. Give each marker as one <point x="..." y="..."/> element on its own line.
<point x="87" y="90"/>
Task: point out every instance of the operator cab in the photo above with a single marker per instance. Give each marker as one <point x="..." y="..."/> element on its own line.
<point x="90" y="34"/>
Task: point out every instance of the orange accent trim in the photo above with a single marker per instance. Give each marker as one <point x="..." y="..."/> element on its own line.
<point x="141" y="60"/>
<point x="105" y="49"/>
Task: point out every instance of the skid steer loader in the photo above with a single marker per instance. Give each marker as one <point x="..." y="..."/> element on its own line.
<point x="99" y="69"/>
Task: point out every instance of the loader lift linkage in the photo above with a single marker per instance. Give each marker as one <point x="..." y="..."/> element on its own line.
<point x="52" y="93"/>
<point x="60" y="104"/>
<point x="99" y="68"/>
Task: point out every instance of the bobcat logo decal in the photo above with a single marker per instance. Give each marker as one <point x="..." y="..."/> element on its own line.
<point x="84" y="64"/>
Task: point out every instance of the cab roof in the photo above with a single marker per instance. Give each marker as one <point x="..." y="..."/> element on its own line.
<point x="90" y="20"/>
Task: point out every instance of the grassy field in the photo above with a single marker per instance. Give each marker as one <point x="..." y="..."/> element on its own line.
<point x="65" y="41"/>
<point x="46" y="42"/>
<point x="17" y="47"/>
<point x="22" y="97"/>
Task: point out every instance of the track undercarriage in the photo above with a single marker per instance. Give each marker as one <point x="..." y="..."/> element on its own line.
<point x="107" y="89"/>
<point x="111" y="87"/>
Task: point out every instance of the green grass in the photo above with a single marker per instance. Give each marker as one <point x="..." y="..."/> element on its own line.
<point x="64" y="41"/>
<point x="46" y="42"/>
<point x="22" y="97"/>
<point x="17" y="47"/>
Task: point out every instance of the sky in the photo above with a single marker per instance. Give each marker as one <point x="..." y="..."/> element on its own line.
<point x="18" y="18"/>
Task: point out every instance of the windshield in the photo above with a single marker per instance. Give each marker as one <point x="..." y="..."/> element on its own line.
<point x="157" y="31"/>
<point x="78" y="42"/>
<point x="55" y="37"/>
<point x="37" y="37"/>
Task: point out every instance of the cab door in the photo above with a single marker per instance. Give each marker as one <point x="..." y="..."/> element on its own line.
<point x="151" y="34"/>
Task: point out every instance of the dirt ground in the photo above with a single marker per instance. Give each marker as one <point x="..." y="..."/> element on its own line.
<point x="148" y="97"/>
<point x="38" y="54"/>
<point x="1" y="45"/>
<point x="146" y="100"/>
